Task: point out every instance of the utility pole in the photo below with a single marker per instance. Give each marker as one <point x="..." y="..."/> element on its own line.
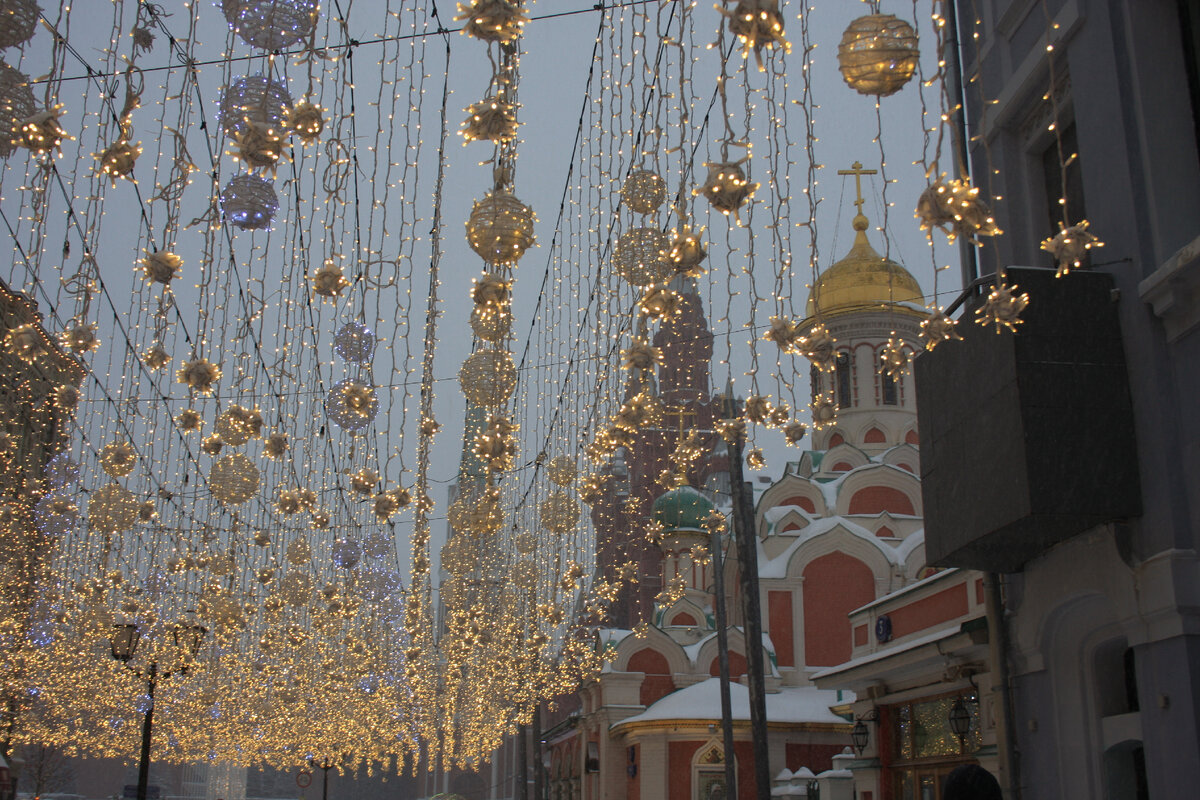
<point x="747" y="544"/>
<point x="723" y="659"/>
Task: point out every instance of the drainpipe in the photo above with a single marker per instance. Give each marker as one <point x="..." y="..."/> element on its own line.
<point x="1006" y="732"/>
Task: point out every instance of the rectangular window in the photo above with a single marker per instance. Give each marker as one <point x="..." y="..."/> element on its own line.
<point x="1052" y="174"/>
<point x="844" y="397"/>
<point x="888" y="389"/>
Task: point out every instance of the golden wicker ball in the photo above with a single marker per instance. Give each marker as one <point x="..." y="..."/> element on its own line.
<point x="233" y="479"/>
<point x="559" y="512"/>
<point x="878" y="54"/>
<point x="500" y="228"/>
<point x="111" y="509"/>
<point x="561" y="470"/>
<point x="488" y="377"/>
<point x="639" y="256"/>
<point x="644" y="191"/>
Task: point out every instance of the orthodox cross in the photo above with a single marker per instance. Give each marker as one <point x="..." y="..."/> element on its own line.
<point x="857" y="171"/>
<point x="680" y="412"/>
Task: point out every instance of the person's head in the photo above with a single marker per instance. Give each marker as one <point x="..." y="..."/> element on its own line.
<point x="971" y="782"/>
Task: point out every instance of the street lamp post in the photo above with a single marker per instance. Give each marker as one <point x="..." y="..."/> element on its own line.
<point x="124" y="643"/>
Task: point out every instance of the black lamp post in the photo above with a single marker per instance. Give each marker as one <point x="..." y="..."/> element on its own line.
<point x="124" y="642"/>
<point x="960" y="721"/>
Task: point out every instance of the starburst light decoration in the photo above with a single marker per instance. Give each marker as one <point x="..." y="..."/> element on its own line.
<point x="938" y="328"/>
<point x="80" y="339"/>
<point x="1002" y="308"/>
<point x="824" y="411"/>
<point x="328" y="281"/>
<point x="893" y="359"/>
<point x="878" y="54"/>
<point x="955" y="208"/>
<point x="1071" y="245"/>
<point x="237" y="425"/>
<point x="492" y="119"/>
<point x="199" y="375"/>
<point x="687" y="251"/>
<point x="351" y="405"/>
<point x="306" y="121"/>
<point x="727" y="188"/>
<point x="758" y="24"/>
<point x="492" y="20"/>
<point x="118" y="159"/>
<point x="160" y="266"/>
<point x="118" y="459"/>
<point x="258" y="146"/>
<point x="41" y="133"/>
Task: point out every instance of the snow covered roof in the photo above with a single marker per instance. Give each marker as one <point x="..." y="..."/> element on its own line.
<point x="702" y="701"/>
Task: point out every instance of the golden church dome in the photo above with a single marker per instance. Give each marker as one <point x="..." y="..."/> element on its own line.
<point x="864" y="280"/>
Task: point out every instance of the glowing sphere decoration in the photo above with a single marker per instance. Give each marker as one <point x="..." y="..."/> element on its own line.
<point x="488" y="377"/>
<point x="878" y="54"/>
<point x="525" y="543"/>
<point x="491" y="325"/>
<point x="644" y="191"/>
<point x="347" y="553"/>
<point x="561" y="470"/>
<point x="111" y="509"/>
<point x="18" y="19"/>
<point x="233" y="479"/>
<point x="351" y="405"/>
<point x="254" y="99"/>
<point x="249" y="202"/>
<point x="354" y="342"/>
<point x="559" y="512"/>
<point x="271" y="24"/>
<point x="295" y="588"/>
<point x="56" y="514"/>
<point x="17" y="103"/>
<point x="639" y="256"/>
<point x="500" y="228"/>
<point x="376" y="545"/>
<point x="525" y="573"/>
<point x="62" y="471"/>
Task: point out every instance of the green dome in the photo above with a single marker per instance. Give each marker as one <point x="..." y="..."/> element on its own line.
<point x="682" y="508"/>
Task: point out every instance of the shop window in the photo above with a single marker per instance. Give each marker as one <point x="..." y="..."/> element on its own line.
<point x="924" y="748"/>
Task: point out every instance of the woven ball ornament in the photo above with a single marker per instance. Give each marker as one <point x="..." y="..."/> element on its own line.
<point x="347" y="553"/>
<point x="295" y="588"/>
<point x="354" y="342"/>
<point x="500" y="228"/>
<point x="18" y="19"/>
<point x="233" y="479"/>
<point x="118" y="459"/>
<point x="118" y="159"/>
<point x="249" y="202"/>
<point x="254" y="99"/>
<point x="490" y="325"/>
<point x="56" y="514"/>
<point x="237" y="425"/>
<point x="559" y="512"/>
<point x="561" y="470"/>
<point x="351" y="405"/>
<point x="299" y="552"/>
<point x="62" y="471"/>
<point x="525" y="543"/>
<point x="111" y="509"/>
<point x="16" y="103"/>
<point x="488" y="377"/>
<point x="644" y="191"/>
<point x="270" y="24"/>
<point x="376" y="545"/>
<point x="638" y="256"/>
<point x="525" y="573"/>
<point x="878" y="54"/>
